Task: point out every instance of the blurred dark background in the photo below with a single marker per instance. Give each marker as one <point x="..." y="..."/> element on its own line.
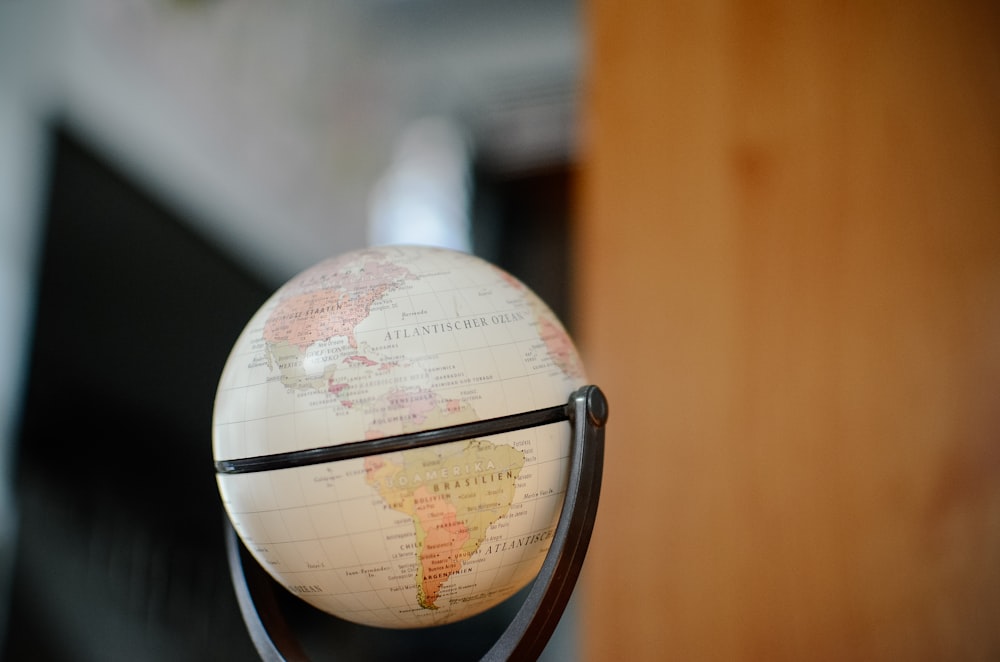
<point x="174" y="163"/>
<point x="120" y="552"/>
<point x="120" y="540"/>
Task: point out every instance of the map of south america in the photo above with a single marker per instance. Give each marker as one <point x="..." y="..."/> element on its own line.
<point x="453" y="494"/>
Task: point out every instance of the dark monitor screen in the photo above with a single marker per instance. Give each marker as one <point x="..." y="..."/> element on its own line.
<point x="120" y="552"/>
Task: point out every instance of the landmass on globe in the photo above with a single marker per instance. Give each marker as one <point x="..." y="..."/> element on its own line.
<point x="453" y="499"/>
<point x="382" y="342"/>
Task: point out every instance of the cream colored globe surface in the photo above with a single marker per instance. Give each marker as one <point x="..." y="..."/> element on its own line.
<point x="382" y="342"/>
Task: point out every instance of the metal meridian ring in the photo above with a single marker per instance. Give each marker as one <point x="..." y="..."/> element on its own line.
<point x="356" y="449"/>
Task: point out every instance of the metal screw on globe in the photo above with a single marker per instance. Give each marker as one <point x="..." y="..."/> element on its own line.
<point x="371" y="345"/>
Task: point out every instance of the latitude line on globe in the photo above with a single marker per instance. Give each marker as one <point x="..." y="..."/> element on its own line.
<point x="401" y="442"/>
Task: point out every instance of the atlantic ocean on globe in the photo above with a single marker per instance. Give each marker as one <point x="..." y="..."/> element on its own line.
<point x="377" y="343"/>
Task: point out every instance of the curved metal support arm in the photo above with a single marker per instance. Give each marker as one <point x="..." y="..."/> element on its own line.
<point x="255" y="593"/>
<point x="538" y="616"/>
<point x="526" y="636"/>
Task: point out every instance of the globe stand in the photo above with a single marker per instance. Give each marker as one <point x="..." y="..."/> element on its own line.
<point x="535" y="621"/>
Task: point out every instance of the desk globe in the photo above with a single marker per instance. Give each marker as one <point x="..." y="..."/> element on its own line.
<point x="372" y="345"/>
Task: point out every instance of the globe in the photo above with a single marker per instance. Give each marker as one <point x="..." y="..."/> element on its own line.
<point x="378" y="343"/>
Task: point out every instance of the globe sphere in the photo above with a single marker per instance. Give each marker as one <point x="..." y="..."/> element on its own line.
<point x="381" y="342"/>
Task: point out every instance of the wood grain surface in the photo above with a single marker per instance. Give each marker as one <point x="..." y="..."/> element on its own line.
<point x="788" y="283"/>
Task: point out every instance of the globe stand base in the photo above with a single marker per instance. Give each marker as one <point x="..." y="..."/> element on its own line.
<point x="535" y="621"/>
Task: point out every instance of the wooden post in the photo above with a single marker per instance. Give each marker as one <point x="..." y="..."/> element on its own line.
<point x="788" y="284"/>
